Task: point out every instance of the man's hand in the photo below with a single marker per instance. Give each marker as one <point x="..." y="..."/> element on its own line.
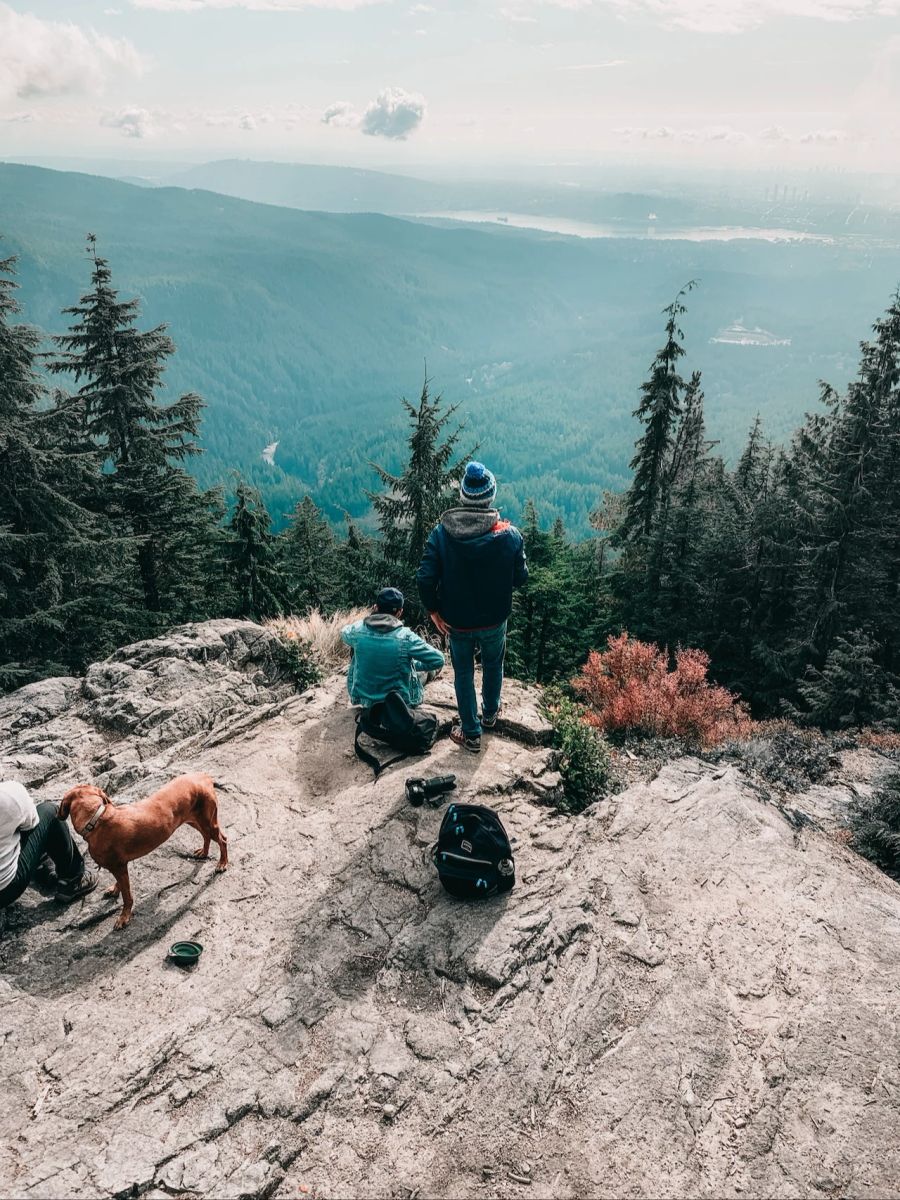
<point x="440" y="624"/>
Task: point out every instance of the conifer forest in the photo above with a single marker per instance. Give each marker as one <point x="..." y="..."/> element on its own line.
<point x="783" y="567"/>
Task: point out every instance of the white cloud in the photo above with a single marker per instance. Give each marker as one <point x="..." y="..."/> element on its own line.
<point x="597" y="66"/>
<point x="20" y="118"/>
<point x="55" y="58"/>
<point x="252" y="5"/>
<point x="735" y="16"/>
<point x="341" y="113"/>
<point x="422" y="8"/>
<point x="235" y="118"/>
<point x="131" y="122"/>
<point x="706" y="133"/>
<point x="394" y="114"/>
<point x="824" y="135"/>
<point x="709" y="134"/>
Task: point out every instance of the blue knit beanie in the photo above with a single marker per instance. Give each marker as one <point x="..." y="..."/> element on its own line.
<point x="478" y="487"/>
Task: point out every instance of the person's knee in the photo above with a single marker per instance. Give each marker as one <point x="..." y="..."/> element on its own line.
<point x="46" y="809"/>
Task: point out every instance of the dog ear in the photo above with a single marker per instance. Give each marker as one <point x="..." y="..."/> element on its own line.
<point x="66" y="803"/>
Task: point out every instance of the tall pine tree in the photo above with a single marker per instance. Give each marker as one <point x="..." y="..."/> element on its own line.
<point x="60" y="596"/>
<point x="143" y="441"/>
<point x="850" y="580"/>
<point x="309" y="559"/>
<point x="414" y="500"/>
<point x="660" y="407"/>
<point x="251" y="558"/>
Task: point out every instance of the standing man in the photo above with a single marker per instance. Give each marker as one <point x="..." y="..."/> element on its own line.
<point x="472" y="563"/>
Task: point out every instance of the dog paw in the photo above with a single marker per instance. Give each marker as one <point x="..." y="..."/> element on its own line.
<point x="201" y="854"/>
<point x="122" y="921"/>
<point x="220" y="868"/>
<point x="112" y="892"/>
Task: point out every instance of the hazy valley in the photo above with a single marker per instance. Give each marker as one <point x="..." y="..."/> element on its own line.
<point x="303" y="327"/>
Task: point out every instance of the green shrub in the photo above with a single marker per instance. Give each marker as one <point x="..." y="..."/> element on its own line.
<point x="299" y="663"/>
<point x="875" y="826"/>
<point x="584" y="756"/>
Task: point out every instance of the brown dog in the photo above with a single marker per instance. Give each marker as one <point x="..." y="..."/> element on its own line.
<point x="116" y="834"/>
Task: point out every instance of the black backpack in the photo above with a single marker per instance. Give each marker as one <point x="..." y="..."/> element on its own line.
<point x="393" y="722"/>
<point x="473" y="856"/>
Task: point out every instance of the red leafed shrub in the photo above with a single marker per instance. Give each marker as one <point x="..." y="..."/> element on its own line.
<point x="629" y="686"/>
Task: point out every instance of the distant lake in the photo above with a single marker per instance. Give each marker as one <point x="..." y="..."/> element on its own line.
<point x="650" y="229"/>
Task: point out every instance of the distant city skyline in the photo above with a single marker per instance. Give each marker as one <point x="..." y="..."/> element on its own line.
<point x="787" y="84"/>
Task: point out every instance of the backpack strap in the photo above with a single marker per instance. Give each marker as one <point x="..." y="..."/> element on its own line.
<point x="369" y="759"/>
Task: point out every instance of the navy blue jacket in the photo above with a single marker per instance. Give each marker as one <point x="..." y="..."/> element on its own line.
<point x="472" y="563"/>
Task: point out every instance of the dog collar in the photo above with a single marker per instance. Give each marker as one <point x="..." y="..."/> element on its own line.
<point x="92" y="823"/>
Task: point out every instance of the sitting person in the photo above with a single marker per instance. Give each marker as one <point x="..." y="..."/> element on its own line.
<point x="29" y="835"/>
<point x="387" y="656"/>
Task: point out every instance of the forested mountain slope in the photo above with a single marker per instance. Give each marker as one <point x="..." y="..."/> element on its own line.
<point x="305" y="327"/>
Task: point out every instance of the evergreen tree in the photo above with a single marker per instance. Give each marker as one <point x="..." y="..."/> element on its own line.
<point x="662" y="571"/>
<point x="120" y="368"/>
<point x="753" y="465"/>
<point x="359" y="576"/>
<point x="674" y="585"/>
<point x="851" y="458"/>
<point x="852" y="689"/>
<point x="555" y="620"/>
<point x="59" y="599"/>
<point x="658" y="412"/>
<point x="308" y="554"/>
<point x="252" y="569"/>
<point x="414" y="500"/>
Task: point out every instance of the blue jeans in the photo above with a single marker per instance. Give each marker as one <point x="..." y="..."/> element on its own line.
<point x="463" y="645"/>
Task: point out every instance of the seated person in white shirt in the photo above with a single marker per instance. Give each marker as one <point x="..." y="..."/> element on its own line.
<point x="28" y="833"/>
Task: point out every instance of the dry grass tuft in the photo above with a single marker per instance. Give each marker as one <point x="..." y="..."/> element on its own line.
<point x="322" y="635"/>
<point x="879" y="739"/>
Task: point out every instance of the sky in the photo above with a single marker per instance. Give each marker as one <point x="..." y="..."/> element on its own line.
<point x="787" y="83"/>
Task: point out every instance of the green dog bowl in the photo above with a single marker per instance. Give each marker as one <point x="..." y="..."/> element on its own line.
<point x="185" y="954"/>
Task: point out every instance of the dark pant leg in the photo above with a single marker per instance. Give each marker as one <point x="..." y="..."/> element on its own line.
<point x="493" y="652"/>
<point x="50" y="836"/>
<point x="462" y="655"/>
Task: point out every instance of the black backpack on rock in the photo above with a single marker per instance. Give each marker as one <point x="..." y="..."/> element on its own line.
<point x="473" y="855"/>
<point x="393" y="722"/>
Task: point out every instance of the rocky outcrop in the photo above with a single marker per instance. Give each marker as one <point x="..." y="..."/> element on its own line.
<point x="686" y="994"/>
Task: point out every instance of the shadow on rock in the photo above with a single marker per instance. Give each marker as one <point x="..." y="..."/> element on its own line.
<point x="75" y="956"/>
<point x="386" y="912"/>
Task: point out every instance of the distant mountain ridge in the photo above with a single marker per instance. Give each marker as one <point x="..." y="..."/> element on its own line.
<point x="352" y="189"/>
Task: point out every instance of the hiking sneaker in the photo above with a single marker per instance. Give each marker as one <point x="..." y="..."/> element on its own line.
<point x="491" y="721"/>
<point x="70" y="890"/>
<point x="472" y="744"/>
<point x="45" y="876"/>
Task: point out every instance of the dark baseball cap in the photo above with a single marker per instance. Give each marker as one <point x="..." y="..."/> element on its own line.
<point x="389" y="598"/>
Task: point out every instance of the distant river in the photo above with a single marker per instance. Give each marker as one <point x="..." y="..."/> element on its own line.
<point x="586" y="229"/>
